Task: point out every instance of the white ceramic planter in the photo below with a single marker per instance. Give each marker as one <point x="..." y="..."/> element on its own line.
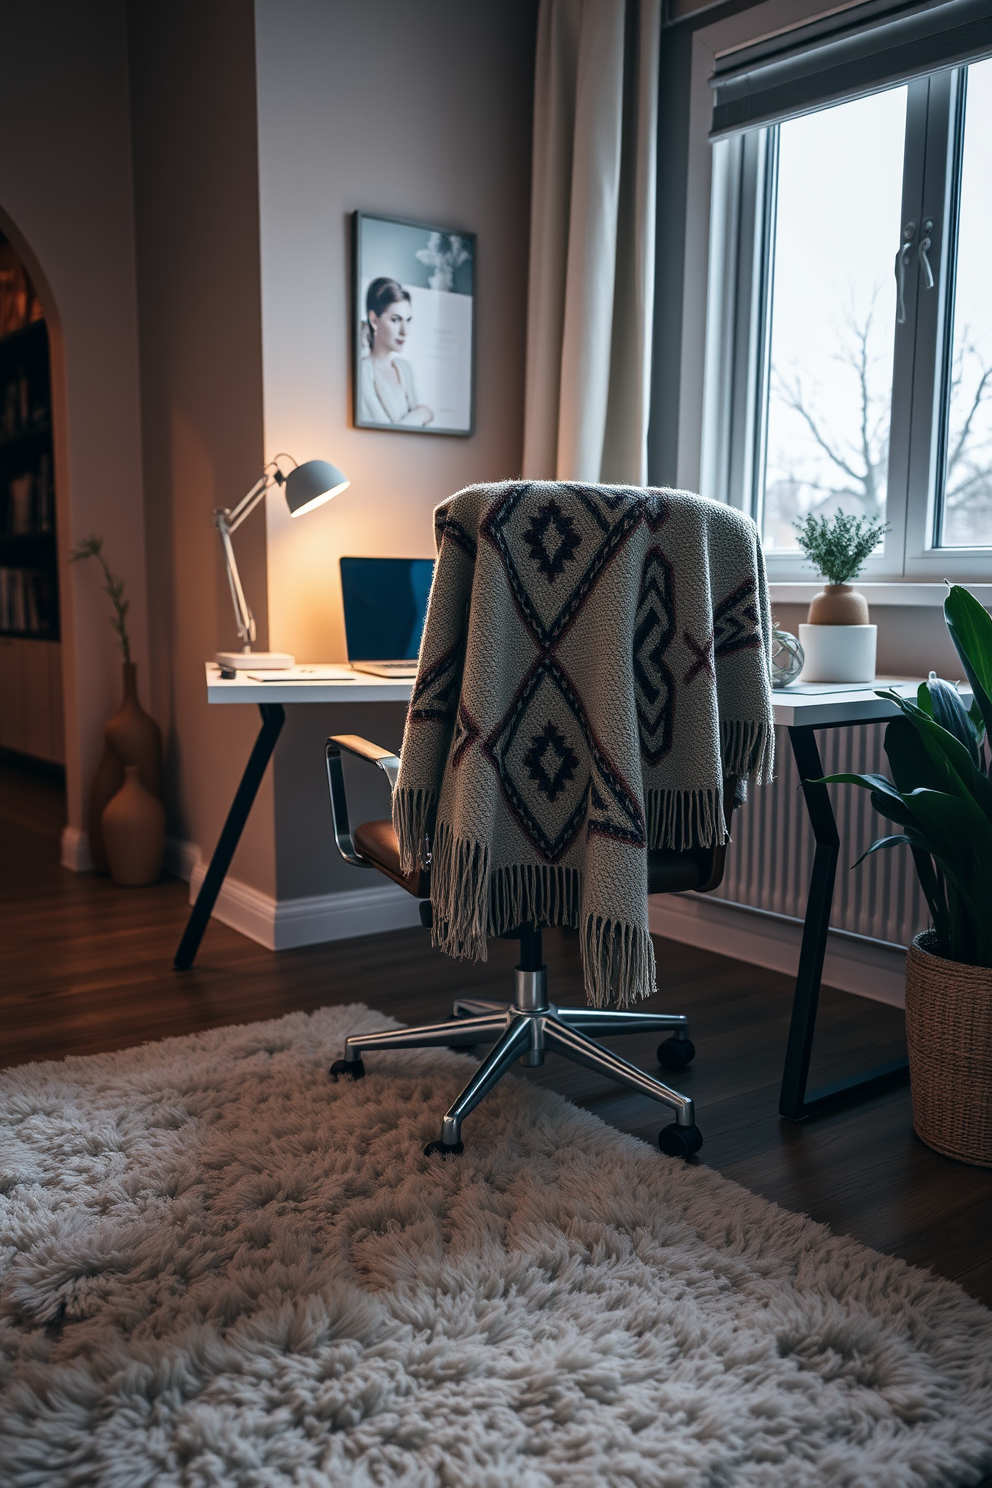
<point x="838" y="653"/>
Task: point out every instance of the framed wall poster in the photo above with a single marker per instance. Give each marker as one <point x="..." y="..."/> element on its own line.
<point x="414" y="326"/>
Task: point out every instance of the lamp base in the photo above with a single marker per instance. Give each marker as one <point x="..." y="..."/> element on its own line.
<point x="254" y="661"/>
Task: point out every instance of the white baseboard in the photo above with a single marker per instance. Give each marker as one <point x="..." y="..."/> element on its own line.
<point x="281" y="924"/>
<point x="852" y="963"/>
<point x="181" y="858"/>
<point x="76" y="850"/>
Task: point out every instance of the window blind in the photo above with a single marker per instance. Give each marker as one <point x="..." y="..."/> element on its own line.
<point x="853" y="51"/>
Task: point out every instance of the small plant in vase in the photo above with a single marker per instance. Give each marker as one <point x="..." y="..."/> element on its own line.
<point x="126" y="816"/>
<point x="838" y="641"/>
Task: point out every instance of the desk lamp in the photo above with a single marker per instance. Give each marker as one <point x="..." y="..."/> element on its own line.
<point x="306" y="487"/>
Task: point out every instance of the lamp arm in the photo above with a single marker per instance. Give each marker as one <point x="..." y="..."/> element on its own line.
<point x="243" y="616"/>
<point x="234" y="517"/>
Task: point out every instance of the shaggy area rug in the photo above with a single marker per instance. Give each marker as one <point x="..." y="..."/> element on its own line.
<point x="221" y="1268"/>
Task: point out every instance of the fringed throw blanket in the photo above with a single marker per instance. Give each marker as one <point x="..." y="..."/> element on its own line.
<point x="595" y="662"/>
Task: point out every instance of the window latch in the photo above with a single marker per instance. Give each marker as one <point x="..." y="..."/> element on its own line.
<point x="924" y="248"/>
<point x="902" y="263"/>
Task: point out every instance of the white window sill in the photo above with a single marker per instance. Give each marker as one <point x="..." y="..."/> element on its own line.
<point x="926" y="595"/>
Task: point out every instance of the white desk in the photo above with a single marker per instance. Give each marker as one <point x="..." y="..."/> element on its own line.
<point x="364" y="689"/>
<point x="801" y="712"/>
<point x="827" y="706"/>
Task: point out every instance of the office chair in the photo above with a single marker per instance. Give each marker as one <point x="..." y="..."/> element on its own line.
<point x="531" y="1025"/>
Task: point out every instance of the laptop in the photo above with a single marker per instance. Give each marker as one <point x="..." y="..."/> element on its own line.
<point x="385" y="606"/>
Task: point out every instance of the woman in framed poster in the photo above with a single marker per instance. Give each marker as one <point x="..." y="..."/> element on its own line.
<point x="414" y="322"/>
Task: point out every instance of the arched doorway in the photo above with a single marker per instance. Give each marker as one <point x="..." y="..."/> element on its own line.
<point x="31" y="707"/>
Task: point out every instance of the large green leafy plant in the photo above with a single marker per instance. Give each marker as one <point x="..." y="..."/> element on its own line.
<point x="940" y="793"/>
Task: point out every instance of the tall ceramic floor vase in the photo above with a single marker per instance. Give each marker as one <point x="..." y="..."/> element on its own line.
<point x="107" y="782"/>
<point x="134" y="832"/>
<point x="131" y="737"/>
<point x="949" y="1033"/>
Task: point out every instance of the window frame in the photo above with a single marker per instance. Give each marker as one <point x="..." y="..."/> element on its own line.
<point x="740" y="228"/>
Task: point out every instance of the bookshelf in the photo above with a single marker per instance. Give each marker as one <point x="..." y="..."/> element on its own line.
<point x="30" y="654"/>
<point x="29" y="597"/>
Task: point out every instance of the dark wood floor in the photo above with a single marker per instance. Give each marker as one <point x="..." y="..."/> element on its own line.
<point x="87" y="967"/>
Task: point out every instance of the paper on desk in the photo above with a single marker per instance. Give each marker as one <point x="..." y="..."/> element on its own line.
<point x="307" y="674"/>
<point x="817" y="688"/>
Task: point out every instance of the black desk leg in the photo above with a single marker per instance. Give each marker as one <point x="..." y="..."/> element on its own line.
<point x="273" y="718"/>
<point x="794" y="1102"/>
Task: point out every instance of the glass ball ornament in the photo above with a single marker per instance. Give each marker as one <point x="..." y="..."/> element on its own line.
<point x="787" y="657"/>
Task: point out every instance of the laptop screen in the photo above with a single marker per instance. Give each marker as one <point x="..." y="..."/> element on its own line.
<point x="385" y="605"/>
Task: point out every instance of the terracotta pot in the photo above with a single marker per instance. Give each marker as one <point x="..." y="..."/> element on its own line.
<point x="949" y="1033"/>
<point x="134" y="832"/>
<point x="131" y="738"/>
<point x="838" y="604"/>
<point x="134" y="737"/>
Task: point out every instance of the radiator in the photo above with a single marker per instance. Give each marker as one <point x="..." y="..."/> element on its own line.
<point x="771" y="856"/>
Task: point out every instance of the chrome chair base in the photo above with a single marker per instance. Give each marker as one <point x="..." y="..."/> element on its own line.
<point x="526" y="1030"/>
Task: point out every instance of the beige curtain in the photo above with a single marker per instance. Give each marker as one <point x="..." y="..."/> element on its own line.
<point x="591" y="298"/>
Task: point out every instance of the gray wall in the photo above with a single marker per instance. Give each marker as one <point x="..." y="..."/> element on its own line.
<point x="65" y="203"/>
<point x="419" y="111"/>
<point x="196" y="206"/>
<point x="168" y="180"/>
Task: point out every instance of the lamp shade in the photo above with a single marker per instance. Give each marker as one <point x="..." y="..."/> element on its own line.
<point x="312" y="484"/>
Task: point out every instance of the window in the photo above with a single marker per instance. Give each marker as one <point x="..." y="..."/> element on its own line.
<point x="849" y="351"/>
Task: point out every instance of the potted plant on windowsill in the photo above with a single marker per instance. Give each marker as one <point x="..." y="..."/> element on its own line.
<point x="940" y="795"/>
<point x="838" y="642"/>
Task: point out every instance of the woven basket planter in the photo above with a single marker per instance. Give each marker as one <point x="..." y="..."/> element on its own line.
<point x="949" y="1033"/>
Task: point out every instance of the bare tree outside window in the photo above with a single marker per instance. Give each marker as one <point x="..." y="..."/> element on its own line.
<point x="833" y="456"/>
<point x="833" y="453"/>
<point x="968" y="477"/>
<point x="832" y="325"/>
<point x="832" y="314"/>
<point x="967" y="508"/>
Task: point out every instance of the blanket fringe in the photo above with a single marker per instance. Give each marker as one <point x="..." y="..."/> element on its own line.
<point x="695" y="818"/>
<point x="413" y="822"/>
<point x="534" y="893"/>
<point x="460" y="895"/>
<point x="472" y="901"/>
<point x="686" y="818"/>
<point x="617" y="961"/>
<point x="747" y="749"/>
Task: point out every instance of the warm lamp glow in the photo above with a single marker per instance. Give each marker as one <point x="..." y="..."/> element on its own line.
<point x="305" y="487"/>
<point x="310" y="485"/>
<point x="319" y="500"/>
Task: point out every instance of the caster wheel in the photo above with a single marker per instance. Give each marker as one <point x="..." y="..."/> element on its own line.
<point x="353" y="1067"/>
<point x="680" y="1141"/>
<point x="675" y="1053"/>
<point x="443" y="1149"/>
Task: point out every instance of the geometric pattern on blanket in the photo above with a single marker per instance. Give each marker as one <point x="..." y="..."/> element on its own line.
<point x="593" y="668"/>
<point x="654" y="684"/>
<point x="568" y="549"/>
<point x="735" y="621"/>
<point x="541" y="739"/>
<point x="553" y="561"/>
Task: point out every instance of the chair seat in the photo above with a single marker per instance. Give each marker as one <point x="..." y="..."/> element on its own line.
<point x="672" y="872"/>
<point x="669" y="872"/>
<point x="376" y="843"/>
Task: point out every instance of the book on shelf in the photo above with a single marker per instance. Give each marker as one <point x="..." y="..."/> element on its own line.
<point x="25" y="602"/>
<point x="31" y="501"/>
